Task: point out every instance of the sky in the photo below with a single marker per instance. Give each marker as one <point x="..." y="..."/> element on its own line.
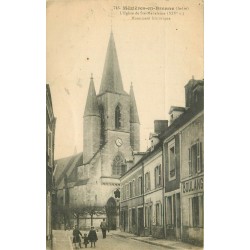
<point x="158" y="56"/>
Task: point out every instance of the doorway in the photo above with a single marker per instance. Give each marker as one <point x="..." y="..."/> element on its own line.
<point x="111" y="213"/>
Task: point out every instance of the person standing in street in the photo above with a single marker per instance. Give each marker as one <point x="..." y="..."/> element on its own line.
<point x="92" y="236"/>
<point x="85" y="240"/>
<point x="104" y="228"/>
<point x="76" y="237"/>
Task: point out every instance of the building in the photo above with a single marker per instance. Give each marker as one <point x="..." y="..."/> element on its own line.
<point x="153" y="188"/>
<point x="111" y="132"/>
<point x="171" y="196"/>
<point x="183" y="164"/>
<point x="131" y="200"/>
<point x="142" y="190"/>
<point x="171" y="151"/>
<point x="192" y="165"/>
<point x="50" y="142"/>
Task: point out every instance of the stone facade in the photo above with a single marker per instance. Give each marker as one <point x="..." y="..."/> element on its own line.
<point x="192" y="180"/>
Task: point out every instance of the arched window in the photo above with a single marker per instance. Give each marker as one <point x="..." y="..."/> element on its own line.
<point x="119" y="165"/>
<point x="117" y="117"/>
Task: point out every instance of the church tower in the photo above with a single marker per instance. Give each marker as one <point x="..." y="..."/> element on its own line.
<point x="91" y="124"/>
<point x="111" y="121"/>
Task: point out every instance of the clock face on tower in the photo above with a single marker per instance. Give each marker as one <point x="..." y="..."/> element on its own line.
<point x="118" y="142"/>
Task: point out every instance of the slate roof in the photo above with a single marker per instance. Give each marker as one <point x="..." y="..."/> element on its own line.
<point x="111" y="77"/>
<point x="134" y="117"/>
<point x="91" y="107"/>
<point x="65" y="166"/>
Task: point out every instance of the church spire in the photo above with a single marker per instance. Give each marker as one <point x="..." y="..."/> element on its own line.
<point x="111" y="77"/>
<point x="134" y="117"/>
<point x="91" y="107"/>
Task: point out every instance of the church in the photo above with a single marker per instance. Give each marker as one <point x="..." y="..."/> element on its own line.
<point x="88" y="184"/>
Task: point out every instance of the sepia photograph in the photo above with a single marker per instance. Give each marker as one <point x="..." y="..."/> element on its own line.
<point x="124" y="124"/>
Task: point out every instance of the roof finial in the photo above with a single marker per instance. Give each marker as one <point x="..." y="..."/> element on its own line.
<point x="91" y="76"/>
<point x="131" y="84"/>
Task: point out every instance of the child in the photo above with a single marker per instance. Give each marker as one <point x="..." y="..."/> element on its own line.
<point x="92" y="236"/>
<point x="85" y="240"/>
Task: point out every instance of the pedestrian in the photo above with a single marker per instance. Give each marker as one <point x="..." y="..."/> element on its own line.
<point x="76" y="237"/>
<point x="85" y="240"/>
<point x="104" y="228"/>
<point x="92" y="236"/>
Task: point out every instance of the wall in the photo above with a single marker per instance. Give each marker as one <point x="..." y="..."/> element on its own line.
<point x="174" y="184"/>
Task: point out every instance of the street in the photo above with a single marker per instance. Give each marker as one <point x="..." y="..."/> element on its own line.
<point x="63" y="241"/>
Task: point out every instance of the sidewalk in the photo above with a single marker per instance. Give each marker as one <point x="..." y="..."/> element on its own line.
<point x="170" y="244"/>
<point x="62" y="240"/>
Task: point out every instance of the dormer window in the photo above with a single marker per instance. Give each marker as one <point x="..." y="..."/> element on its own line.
<point x="117" y="117"/>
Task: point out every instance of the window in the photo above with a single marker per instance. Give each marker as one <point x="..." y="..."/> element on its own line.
<point x="122" y="193"/>
<point x="158" y="214"/>
<point x="130" y="219"/>
<point x="118" y="165"/>
<point x="117" y="117"/>
<point x="158" y="176"/>
<point x="194" y="158"/>
<point x="170" y="211"/>
<point x="133" y="188"/>
<point x="147" y="181"/>
<point x="172" y="160"/>
<point x="197" y="211"/>
<point x="140" y="185"/>
<point x="146" y="216"/>
<point x="127" y="191"/>
<point x="133" y="217"/>
<point x="130" y="189"/>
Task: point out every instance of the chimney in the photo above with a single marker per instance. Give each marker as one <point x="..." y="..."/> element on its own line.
<point x="160" y="126"/>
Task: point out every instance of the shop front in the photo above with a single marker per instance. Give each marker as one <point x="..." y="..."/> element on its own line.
<point x="192" y="196"/>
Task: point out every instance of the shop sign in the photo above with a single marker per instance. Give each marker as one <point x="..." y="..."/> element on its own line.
<point x="192" y="185"/>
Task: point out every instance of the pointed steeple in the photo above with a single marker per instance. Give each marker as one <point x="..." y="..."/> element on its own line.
<point x="91" y="107"/>
<point x="134" y="117"/>
<point x="111" y="77"/>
